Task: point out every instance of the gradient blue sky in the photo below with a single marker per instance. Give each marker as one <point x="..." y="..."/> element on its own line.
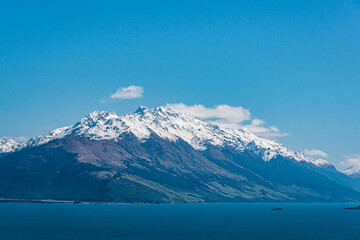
<point x="295" y="64"/>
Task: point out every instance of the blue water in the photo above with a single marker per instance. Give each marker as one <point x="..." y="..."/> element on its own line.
<point x="178" y="221"/>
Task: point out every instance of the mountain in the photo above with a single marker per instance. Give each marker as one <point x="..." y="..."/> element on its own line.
<point x="353" y="173"/>
<point x="11" y="144"/>
<point x="159" y="155"/>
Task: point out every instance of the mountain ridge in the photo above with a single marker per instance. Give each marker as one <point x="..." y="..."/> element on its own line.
<point x="11" y="144"/>
<point x="94" y="124"/>
<point x="158" y="155"/>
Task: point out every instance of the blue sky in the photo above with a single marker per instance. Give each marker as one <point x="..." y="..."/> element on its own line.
<point x="293" y="64"/>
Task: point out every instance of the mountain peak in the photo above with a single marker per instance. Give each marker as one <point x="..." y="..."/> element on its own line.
<point x="156" y="110"/>
<point x="100" y="114"/>
<point x="11" y="144"/>
<point x="141" y="109"/>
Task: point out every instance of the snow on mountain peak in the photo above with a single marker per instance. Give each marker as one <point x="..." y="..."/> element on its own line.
<point x="171" y="125"/>
<point x="11" y="144"/>
<point x="321" y="162"/>
<point x="99" y="115"/>
<point x="141" y="109"/>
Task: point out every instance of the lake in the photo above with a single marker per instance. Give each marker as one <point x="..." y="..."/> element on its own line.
<point x="179" y="221"/>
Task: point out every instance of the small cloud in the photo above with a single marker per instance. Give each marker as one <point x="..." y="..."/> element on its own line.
<point x="128" y="92"/>
<point x="315" y="152"/>
<point x="229" y="117"/>
<point x="352" y="164"/>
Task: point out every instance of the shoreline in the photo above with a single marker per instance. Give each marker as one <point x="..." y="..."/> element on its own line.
<point x="54" y="201"/>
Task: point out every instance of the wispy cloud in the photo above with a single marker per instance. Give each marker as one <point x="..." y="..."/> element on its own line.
<point x="129" y="92"/>
<point x="225" y="112"/>
<point x="315" y="152"/>
<point x="230" y="117"/>
<point x="260" y="128"/>
<point x="352" y="164"/>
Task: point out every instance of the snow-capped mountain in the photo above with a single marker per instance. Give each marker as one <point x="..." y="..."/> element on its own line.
<point x="350" y="171"/>
<point x="159" y="155"/>
<point x="171" y="125"/>
<point x="11" y="144"/>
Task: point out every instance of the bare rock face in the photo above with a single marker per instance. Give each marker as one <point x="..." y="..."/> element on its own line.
<point x="158" y="156"/>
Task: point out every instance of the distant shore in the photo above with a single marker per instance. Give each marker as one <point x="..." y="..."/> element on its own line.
<point x="53" y="201"/>
<point x="13" y="200"/>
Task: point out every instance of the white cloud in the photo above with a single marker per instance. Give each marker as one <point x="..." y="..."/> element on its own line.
<point x="259" y="128"/>
<point x="315" y="152"/>
<point x="128" y="93"/>
<point x="229" y="117"/>
<point x="228" y="113"/>
<point x="352" y="164"/>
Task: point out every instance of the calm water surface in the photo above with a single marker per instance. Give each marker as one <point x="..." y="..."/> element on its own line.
<point x="178" y="221"/>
